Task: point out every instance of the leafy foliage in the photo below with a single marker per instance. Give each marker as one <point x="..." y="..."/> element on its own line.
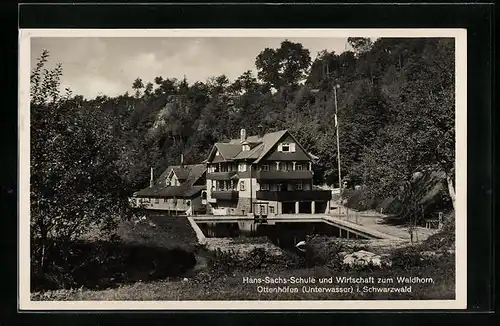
<point x="286" y="65"/>
<point x="77" y="165"/>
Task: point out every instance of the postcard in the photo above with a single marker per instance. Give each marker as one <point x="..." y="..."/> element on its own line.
<point x="242" y="169"/>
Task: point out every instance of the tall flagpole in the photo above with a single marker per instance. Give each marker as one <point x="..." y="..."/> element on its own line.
<point x="337" y="128"/>
<point x="338" y="143"/>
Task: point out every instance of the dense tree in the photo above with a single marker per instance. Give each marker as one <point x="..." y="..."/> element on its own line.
<point x="245" y="83"/>
<point x="284" y="66"/>
<point x="77" y="165"/>
<point x="360" y="44"/>
<point x="138" y="85"/>
<point x="149" y="89"/>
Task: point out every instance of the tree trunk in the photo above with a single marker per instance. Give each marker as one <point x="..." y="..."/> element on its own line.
<point x="451" y="189"/>
<point x="42" y="260"/>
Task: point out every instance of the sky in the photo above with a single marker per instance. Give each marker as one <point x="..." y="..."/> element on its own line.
<point x="108" y="66"/>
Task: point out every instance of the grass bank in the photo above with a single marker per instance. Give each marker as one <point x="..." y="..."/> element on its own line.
<point x="151" y="249"/>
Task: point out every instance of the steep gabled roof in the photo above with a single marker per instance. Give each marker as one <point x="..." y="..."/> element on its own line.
<point x="181" y="173"/>
<point x="275" y="137"/>
<point x="228" y="151"/>
<point x="260" y="146"/>
<point x="269" y="140"/>
<point x="251" y="154"/>
<point x="187" y="174"/>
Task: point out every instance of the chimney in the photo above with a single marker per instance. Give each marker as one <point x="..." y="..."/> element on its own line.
<point x="243" y="135"/>
<point x="151" y="181"/>
<point x="261" y="131"/>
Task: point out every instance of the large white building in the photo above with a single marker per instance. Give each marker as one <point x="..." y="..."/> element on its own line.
<point x="265" y="174"/>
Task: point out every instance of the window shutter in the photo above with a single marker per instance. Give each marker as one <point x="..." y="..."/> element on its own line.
<point x="292" y="147"/>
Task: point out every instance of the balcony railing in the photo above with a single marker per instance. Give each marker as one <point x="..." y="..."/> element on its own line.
<point x="299" y="195"/>
<point x="284" y="175"/>
<point x="221" y="175"/>
<point x="225" y="194"/>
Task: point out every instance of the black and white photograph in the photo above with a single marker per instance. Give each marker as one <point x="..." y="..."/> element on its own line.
<point x="243" y="169"/>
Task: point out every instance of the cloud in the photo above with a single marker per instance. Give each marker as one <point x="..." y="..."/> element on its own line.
<point x="109" y="66"/>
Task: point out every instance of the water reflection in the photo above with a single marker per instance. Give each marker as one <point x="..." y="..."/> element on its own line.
<point x="283" y="234"/>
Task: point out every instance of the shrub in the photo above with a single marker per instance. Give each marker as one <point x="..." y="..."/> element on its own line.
<point x="105" y="264"/>
<point x="406" y="258"/>
<point x="228" y="262"/>
<point x="444" y="239"/>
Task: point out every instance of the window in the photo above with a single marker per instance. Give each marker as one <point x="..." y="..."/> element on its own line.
<point x="298" y="167"/>
<point x="299" y="186"/>
<point x="278" y="186"/>
<point x="188" y="203"/>
<point x="242" y="167"/>
<point x="264" y="167"/>
<point x="167" y="182"/>
<point x="264" y="186"/>
<point x="242" y="185"/>
<point x="165" y="200"/>
<point x="157" y="200"/>
<point x="286" y="147"/>
<point x="245" y="148"/>
<point x="271" y="209"/>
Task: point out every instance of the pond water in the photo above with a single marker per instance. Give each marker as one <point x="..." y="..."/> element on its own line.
<point x="283" y="234"/>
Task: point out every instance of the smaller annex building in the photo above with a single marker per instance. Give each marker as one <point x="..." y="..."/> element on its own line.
<point x="178" y="190"/>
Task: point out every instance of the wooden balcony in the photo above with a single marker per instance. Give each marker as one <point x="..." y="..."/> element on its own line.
<point x="221" y="175"/>
<point x="284" y="175"/>
<point x="298" y="195"/>
<point x="230" y="195"/>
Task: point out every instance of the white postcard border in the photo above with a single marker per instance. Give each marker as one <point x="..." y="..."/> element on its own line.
<point x="24" y="302"/>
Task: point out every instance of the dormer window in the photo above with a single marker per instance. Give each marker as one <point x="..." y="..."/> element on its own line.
<point x="245" y="147"/>
<point x="286" y="147"/>
<point x="167" y="182"/>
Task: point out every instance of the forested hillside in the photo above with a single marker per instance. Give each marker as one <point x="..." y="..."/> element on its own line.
<point x="396" y="116"/>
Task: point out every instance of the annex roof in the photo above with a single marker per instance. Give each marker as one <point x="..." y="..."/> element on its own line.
<point x="187" y="174"/>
